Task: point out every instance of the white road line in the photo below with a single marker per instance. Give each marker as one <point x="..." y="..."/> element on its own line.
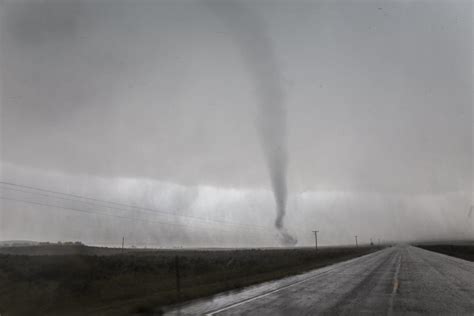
<point x="343" y="264"/>
<point x="267" y="293"/>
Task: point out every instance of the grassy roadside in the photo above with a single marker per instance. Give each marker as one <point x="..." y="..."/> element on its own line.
<point x="137" y="283"/>
<point x="465" y="252"/>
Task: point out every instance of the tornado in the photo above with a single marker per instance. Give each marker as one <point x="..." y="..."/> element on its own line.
<point x="248" y="32"/>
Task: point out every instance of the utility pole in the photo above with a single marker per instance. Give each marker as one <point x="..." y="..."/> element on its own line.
<point x="178" y="278"/>
<point x="123" y="242"/>
<point x="357" y="245"/>
<point x="316" y="238"/>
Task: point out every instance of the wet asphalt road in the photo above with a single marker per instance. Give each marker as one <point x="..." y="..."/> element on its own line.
<point x="397" y="280"/>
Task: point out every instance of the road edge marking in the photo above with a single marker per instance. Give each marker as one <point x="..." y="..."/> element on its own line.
<point x="337" y="265"/>
<point x="267" y="293"/>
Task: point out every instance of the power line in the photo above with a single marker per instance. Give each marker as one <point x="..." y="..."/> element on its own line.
<point x="99" y="213"/>
<point x="139" y="208"/>
<point x="207" y="221"/>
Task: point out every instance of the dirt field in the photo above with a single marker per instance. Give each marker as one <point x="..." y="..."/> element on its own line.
<point x="133" y="283"/>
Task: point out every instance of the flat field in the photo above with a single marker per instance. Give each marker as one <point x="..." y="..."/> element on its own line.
<point x="97" y="281"/>
<point x="462" y="251"/>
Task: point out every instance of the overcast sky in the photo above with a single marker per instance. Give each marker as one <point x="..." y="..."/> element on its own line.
<point x="157" y="104"/>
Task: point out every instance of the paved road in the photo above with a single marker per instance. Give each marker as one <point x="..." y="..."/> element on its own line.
<point x="397" y="280"/>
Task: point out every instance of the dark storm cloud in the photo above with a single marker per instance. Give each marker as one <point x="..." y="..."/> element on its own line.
<point x="378" y="101"/>
<point x="35" y="22"/>
<point x="111" y="88"/>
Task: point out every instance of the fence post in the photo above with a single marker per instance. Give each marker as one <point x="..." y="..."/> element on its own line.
<point x="178" y="281"/>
